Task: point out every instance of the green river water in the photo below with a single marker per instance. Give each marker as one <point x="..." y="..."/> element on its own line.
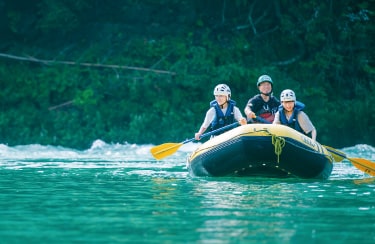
<point x="114" y="193"/>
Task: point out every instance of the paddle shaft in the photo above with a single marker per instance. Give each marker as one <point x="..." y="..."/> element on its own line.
<point x="167" y="149"/>
<point x="214" y="131"/>
<point x="260" y="119"/>
<point x="337" y="155"/>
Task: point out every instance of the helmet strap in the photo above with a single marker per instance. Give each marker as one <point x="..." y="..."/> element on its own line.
<point x="222" y="105"/>
<point x="267" y="94"/>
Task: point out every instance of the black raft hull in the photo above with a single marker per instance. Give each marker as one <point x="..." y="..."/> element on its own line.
<point x="261" y="150"/>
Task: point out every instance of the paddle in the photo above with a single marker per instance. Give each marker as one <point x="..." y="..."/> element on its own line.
<point x="362" y="164"/>
<point x="260" y="119"/>
<point x="167" y="149"/>
<point x="337" y="155"/>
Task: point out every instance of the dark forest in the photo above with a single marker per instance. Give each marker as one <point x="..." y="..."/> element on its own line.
<point x="73" y="71"/>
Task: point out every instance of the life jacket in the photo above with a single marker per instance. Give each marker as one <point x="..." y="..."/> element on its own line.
<point x="265" y="110"/>
<point x="267" y="117"/>
<point x="293" y="121"/>
<point x="222" y="119"/>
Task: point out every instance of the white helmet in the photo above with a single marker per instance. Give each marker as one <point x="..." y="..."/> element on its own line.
<point x="288" y="95"/>
<point x="222" y="89"/>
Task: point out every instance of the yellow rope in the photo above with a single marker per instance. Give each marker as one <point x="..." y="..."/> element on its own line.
<point x="278" y="143"/>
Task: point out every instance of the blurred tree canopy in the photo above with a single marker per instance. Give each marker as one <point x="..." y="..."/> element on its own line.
<point x="73" y="71"/>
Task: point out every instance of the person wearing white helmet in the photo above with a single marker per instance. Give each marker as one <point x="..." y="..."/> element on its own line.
<point x="290" y="113"/>
<point x="223" y="111"/>
<point x="264" y="105"/>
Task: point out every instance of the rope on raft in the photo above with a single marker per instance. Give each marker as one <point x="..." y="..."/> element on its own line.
<point x="278" y="143"/>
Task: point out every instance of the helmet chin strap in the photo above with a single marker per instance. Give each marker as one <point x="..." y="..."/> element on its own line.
<point x="267" y="94"/>
<point x="222" y="105"/>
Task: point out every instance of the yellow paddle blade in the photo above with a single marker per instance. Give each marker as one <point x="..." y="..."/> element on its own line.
<point x="363" y="165"/>
<point x="337" y="155"/>
<point x="164" y="150"/>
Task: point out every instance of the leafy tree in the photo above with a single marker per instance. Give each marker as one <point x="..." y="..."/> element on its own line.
<point x="143" y="71"/>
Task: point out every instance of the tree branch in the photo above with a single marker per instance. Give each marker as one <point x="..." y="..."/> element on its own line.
<point x="61" y="105"/>
<point x="49" y="62"/>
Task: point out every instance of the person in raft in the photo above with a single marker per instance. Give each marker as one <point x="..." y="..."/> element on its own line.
<point x="264" y="105"/>
<point x="223" y="111"/>
<point x="290" y="113"/>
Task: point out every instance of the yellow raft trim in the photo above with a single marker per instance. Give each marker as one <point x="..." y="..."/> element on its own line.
<point x="277" y="132"/>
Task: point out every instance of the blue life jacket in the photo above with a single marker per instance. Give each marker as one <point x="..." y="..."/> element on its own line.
<point x="293" y="121"/>
<point x="221" y="119"/>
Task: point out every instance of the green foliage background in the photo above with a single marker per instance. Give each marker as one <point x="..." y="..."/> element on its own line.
<point x="143" y="71"/>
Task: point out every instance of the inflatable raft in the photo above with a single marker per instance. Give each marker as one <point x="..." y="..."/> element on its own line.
<point x="264" y="150"/>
